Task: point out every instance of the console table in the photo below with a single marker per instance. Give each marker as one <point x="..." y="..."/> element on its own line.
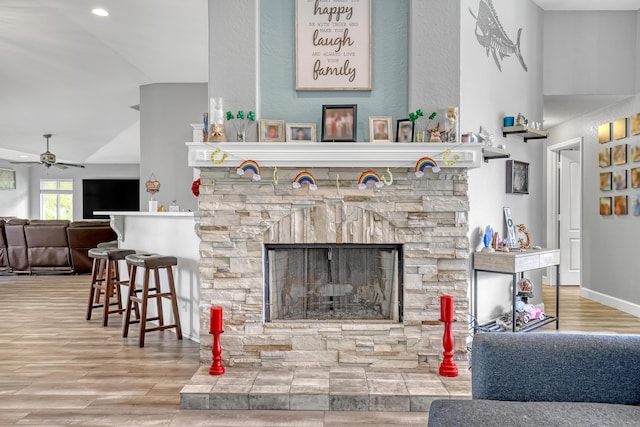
<point x="515" y="263"/>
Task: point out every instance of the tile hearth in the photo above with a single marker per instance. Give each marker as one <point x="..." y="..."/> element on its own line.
<point x="334" y="389"/>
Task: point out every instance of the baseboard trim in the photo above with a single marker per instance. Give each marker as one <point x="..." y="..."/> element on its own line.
<point x="613" y="302"/>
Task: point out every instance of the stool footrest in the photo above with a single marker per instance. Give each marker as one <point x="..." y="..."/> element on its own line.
<point x="160" y="328"/>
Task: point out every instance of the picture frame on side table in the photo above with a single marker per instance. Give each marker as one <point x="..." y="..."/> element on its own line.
<point x="301" y="132"/>
<point x="339" y="123"/>
<point x="404" y="130"/>
<point x="271" y="131"/>
<point x="517" y="177"/>
<point x="380" y="128"/>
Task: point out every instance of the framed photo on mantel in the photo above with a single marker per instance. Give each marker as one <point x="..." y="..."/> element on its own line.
<point x="333" y="45"/>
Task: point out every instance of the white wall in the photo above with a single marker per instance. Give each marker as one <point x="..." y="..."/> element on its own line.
<point x="16" y="202"/>
<point x="590" y="53"/>
<point x="486" y="95"/>
<point x="609" y="243"/>
<point x="166" y="110"/>
<point x="91" y="171"/>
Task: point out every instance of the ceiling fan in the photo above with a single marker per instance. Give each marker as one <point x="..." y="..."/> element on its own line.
<point x="48" y="159"/>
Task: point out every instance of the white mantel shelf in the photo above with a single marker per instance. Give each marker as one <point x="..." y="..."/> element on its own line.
<point x="333" y="154"/>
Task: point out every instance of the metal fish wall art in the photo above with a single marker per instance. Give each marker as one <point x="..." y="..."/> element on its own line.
<point x="492" y="36"/>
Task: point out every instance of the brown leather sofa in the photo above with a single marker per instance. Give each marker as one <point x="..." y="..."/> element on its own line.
<point x="4" y="258"/>
<point x="39" y="246"/>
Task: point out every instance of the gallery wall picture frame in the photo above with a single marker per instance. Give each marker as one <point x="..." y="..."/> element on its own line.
<point x="620" y="154"/>
<point x="604" y="133"/>
<point x="404" y="130"/>
<point x="271" y="131"/>
<point x="635" y="153"/>
<point x="620" y="128"/>
<point x="339" y="123"/>
<point x="333" y="45"/>
<point x="605" y="181"/>
<point x="620" y="205"/>
<point x="380" y="128"/>
<point x="634" y="125"/>
<point x="636" y="205"/>
<point x="517" y="177"/>
<point x="620" y="179"/>
<point x="7" y="179"/>
<point x="635" y="178"/>
<point x="301" y="132"/>
<point x="604" y="157"/>
<point x="605" y="206"/>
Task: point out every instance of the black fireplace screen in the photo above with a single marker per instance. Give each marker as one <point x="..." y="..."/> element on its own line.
<point x="342" y="282"/>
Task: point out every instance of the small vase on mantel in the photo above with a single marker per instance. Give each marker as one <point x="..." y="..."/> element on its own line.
<point x="241" y="135"/>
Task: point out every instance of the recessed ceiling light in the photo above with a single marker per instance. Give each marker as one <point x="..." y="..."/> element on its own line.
<point x="100" y="12"/>
<point x="24" y="156"/>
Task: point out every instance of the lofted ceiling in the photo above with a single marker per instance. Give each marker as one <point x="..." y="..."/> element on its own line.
<point x="68" y="72"/>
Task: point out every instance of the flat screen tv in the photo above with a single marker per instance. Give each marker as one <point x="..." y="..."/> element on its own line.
<point x="109" y="195"/>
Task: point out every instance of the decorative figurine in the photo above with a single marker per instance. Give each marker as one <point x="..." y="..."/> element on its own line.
<point x="524" y="244"/>
<point x="488" y="236"/>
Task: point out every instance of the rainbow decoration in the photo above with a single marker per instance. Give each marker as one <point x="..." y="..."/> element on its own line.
<point x="370" y="176"/>
<point x="250" y="165"/>
<point x="303" y="177"/>
<point x="426" y="162"/>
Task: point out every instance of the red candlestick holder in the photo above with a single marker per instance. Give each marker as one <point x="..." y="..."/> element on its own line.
<point x="215" y="328"/>
<point x="448" y="367"/>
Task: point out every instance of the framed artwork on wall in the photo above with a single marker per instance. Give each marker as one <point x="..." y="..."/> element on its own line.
<point x="339" y="123"/>
<point x="605" y="206"/>
<point x="636" y="206"/>
<point x="634" y="124"/>
<point x="380" y="128"/>
<point x="635" y="178"/>
<point x="604" y="133"/>
<point x="620" y="154"/>
<point x="7" y="179"/>
<point x="605" y="181"/>
<point x="604" y="157"/>
<point x="635" y="153"/>
<point x="301" y="132"/>
<point x="620" y="179"/>
<point x="620" y="205"/>
<point x="620" y="128"/>
<point x="333" y="45"/>
<point x="517" y="177"/>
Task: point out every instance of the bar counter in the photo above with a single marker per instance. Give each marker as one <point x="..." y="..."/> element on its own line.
<point x="166" y="233"/>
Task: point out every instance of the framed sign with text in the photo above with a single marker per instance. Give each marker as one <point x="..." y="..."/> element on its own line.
<point x="333" y="45"/>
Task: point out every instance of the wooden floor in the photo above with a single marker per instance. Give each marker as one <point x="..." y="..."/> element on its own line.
<point x="56" y="368"/>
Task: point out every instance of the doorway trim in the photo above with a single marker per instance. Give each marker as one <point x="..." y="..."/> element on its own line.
<point x="553" y="196"/>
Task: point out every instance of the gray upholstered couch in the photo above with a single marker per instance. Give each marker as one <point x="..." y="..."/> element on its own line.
<point x="548" y="379"/>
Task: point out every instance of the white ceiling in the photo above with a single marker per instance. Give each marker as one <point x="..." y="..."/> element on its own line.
<point x="67" y="72"/>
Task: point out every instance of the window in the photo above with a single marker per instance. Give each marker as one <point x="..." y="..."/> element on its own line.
<point x="56" y="199"/>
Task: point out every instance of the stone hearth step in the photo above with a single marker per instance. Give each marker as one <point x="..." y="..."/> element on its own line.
<point x="323" y="389"/>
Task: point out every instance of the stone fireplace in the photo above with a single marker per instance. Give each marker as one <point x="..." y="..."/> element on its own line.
<point x="338" y="276"/>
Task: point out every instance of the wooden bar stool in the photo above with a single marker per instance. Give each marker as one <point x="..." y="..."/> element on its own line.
<point x="141" y="296"/>
<point x="101" y="265"/>
<point x="109" y="284"/>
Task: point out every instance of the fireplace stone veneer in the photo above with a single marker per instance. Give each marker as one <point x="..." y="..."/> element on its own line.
<point x="425" y="216"/>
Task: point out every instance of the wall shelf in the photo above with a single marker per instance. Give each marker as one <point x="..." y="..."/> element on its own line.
<point x="525" y="132"/>
<point x="492" y="153"/>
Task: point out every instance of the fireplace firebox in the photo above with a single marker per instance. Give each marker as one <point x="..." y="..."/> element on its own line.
<point x="333" y="282"/>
